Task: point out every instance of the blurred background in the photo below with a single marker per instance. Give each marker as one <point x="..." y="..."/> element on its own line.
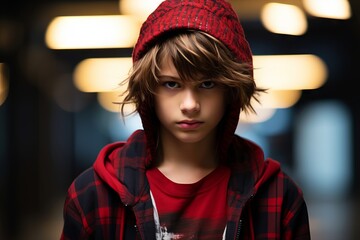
<point x="60" y="67"/>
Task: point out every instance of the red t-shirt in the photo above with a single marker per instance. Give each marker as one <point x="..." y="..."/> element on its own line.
<point x="190" y="211"/>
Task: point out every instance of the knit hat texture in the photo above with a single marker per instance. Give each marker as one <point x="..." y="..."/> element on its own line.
<point x="215" y="17"/>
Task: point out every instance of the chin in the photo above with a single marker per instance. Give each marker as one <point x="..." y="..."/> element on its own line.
<point x="190" y="137"/>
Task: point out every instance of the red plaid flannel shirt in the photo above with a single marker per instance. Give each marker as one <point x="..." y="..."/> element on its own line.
<point x="111" y="200"/>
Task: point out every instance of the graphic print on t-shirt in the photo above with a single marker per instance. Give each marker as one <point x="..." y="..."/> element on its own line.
<point x="189" y="211"/>
<point x="190" y="229"/>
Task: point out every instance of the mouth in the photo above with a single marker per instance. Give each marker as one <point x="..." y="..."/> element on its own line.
<point x="189" y="124"/>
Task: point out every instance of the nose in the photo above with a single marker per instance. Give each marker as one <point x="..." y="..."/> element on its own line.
<point x="189" y="102"/>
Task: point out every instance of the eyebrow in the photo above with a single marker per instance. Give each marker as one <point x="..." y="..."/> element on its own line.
<point x="161" y="77"/>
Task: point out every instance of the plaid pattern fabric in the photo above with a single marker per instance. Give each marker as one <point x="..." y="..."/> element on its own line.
<point x="111" y="200"/>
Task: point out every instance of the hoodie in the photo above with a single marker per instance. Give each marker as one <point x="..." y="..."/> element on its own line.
<point x="111" y="199"/>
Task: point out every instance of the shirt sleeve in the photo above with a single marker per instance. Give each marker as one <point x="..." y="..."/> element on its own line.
<point x="74" y="221"/>
<point x="295" y="219"/>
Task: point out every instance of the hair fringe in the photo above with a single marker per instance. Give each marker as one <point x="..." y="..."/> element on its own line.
<point x="193" y="54"/>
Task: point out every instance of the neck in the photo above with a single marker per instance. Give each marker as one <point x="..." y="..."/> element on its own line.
<point x="187" y="162"/>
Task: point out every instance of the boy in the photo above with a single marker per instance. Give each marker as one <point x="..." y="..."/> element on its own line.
<point x="187" y="175"/>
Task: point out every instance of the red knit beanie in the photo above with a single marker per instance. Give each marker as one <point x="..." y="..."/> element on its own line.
<point x="215" y="17"/>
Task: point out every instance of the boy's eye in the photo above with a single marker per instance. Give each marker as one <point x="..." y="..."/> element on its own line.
<point x="207" y="84"/>
<point x="171" y="84"/>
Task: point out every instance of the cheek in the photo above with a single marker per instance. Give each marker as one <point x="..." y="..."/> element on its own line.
<point x="217" y="105"/>
<point x="161" y="106"/>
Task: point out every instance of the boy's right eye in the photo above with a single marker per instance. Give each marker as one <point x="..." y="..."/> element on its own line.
<point x="171" y="84"/>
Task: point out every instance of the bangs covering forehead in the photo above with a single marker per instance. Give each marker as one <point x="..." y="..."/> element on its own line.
<point x="196" y="55"/>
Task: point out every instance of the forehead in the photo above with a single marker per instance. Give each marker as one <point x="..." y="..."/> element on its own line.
<point x="167" y="67"/>
<point x="184" y="71"/>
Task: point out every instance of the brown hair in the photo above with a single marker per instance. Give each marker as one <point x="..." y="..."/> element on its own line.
<point x="196" y="55"/>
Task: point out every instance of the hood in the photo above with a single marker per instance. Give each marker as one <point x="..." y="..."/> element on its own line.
<point x="246" y="158"/>
<point x="122" y="166"/>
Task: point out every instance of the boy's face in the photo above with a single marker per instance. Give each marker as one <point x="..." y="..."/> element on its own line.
<point x="188" y="111"/>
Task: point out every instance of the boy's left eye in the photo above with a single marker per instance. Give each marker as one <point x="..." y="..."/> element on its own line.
<point x="207" y="84"/>
<point x="171" y="84"/>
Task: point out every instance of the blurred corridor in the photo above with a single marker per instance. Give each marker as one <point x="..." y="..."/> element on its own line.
<point x="52" y="124"/>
